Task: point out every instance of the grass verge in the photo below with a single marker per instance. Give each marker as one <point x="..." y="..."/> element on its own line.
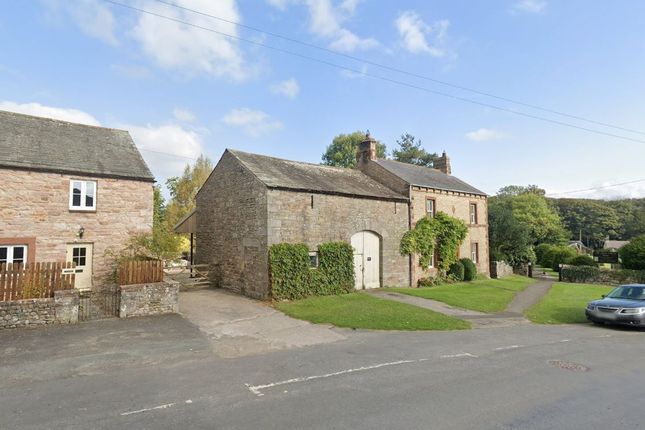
<point x="360" y="310"/>
<point x="483" y="295"/>
<point x="565" y="303"/>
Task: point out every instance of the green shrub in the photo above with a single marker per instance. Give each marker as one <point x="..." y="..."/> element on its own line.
<point x="633" y="254"/>
<point x="580" y="274"/>
<point x="293" y="278"/>
<point x="457" y="270"/>
<point x="563" y="255"/>
<point x="470" y="269"/>
<point x="544" y="254"/>
<point x="583" y="260"/>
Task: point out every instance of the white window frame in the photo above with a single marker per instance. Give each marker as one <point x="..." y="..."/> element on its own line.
<point x="474" y="252"/>
<point x="473" y="213"/>
<point x="313" y="254"/>
<point x="432" y="262"/>
<point x="82" y="207"/>
<point x="10" y="249"/>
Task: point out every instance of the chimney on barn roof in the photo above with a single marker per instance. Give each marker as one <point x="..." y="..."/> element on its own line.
<point x="366" y="150"/>
<point x="443" y="164"/>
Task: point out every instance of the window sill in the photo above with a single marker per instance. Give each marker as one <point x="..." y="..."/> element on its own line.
<point x="79" y="210"/>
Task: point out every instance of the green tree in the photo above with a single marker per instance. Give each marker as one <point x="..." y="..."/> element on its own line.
<point x="593" y="221"/>
<point x="184" y="188"/>
<point x="540" y="219"/>
<point x="443" y="232"/>
<point x="509" y="239"/>
<point x="633" y="254"/>
<point x="517" y="190"/>
<point x="410" y="151"/>
<point x="631" y="216"/>
<point x="342" y="150"/>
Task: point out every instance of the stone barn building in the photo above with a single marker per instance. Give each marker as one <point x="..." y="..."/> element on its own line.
<point x="251" y="202"/>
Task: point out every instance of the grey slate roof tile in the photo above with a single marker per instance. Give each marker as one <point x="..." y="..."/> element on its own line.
<point x="35" y="143"/>
<point x="294" y="175"/>
<point x="427" y="177"/>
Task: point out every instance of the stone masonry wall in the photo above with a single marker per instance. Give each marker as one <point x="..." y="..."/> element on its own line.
<point x="334" y="218"/>
<point x="232" y="229"/>
<point x="500" y="269"/>
<point x="36" y="205"/>
<point x="149" y="299"/>
<point x="456" y="205"/>
<point x="61" y="309"/>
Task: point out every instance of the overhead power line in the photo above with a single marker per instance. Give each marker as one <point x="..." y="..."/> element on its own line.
<point x="168" y="154"/>
<point x="597" y="188"/>
<point x="373" y="76"/>
<point x="402" y="71"/>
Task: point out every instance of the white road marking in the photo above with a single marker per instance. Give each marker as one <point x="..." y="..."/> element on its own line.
<point x="256" y="389"/>
<point x="565" y="340"/>
<point x="168" y="405"/>
<point x="506" y="348"/>
<point x="463" y="354"/>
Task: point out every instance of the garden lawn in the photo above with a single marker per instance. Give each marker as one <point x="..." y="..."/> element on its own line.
<point x="565" y="303"/>
<point x="360" y="310"/>
<point x="483" y="295"/>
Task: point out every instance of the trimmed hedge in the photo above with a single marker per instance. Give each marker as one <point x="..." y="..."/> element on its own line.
<point x="293" y="278"/>
<point x="457" y="270"/>
<point x="583" y="260"/>
<point x="594" y="275"/>
<point x="470" y="270"/>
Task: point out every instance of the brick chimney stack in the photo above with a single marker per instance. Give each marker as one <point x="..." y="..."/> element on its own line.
<point x="366" y="150"/>
<point x="443" y="164"/>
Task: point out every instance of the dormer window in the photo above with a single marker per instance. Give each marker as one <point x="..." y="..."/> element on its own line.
<point x="82" y="195"/>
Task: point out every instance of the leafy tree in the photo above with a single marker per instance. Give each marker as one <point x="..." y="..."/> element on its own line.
<point x="163" y="243"/>
<point x="631" y="216"/>
<point x="562" y="255"/>
<point x="342" y="150"/>
<point x="442" y="231"/>
<point x="593" y="220"/>
<point x="411" y="152"/>
<point x="509" y="239"/>
<point x="633" y="254"/>
<point x="583" y="260"/>
<point x="517" y="190"/>
<point x="184" y="188"/>
<point x="542" y="222"/>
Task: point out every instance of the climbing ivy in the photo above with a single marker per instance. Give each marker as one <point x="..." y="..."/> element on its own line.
<point x="442" y="231"/>
<point x="293" y="278"/>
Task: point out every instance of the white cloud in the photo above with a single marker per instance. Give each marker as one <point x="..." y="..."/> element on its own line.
<point x="131" y="71"/>
<point x="279" y="4"/>
<point x="354" y="75"/>
<point x="288" y="88"/>
<point x="93" y="17"/>
<point x="63" y="114"/>
<point x="485" y="134"/>
<point x="193" y="50"/>
<point x="166" y="148"/>
<point x="255" y="123"/>
<point x="183" y="115"/>
<point x="529" y="6"/>
<point x="418" y="37"/>
<point x="627" y="191"/>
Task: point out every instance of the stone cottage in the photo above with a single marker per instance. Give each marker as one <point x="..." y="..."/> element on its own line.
<point x="251" y="202"/>
<point x="70" y="192"/>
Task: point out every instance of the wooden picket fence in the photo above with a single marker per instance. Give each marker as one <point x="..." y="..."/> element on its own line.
<point x="34" y="280"/>
<point x="140" y="272"/>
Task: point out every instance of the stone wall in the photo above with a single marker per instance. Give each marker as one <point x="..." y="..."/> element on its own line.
<point x="500" y="269"/>
<point x="292" y="219"/>
<point x="61" y="309"/>
<point x="42" y="219"/>
<point x="232" y="229"/>
<point x="149" y="299"/>
<point x="456" y="205"/>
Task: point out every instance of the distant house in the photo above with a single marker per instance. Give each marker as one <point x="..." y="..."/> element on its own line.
<point x="580" y="247"/>
<point x="250" y="202"/>
<point x="615" y="245"/>
<point x="70" y="192"/>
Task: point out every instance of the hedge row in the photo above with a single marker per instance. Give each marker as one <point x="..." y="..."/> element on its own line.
<point x="292" y="277"/>
<point x="594" y="275"/>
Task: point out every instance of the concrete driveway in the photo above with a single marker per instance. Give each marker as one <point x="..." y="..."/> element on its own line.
<point x="238" y="326"/>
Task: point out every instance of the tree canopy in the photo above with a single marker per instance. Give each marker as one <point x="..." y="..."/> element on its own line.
<point x="183" y="189"/>
<point x="410" y="151"/>
<point x="589" y="220"/>
<point x="342" y="150"/>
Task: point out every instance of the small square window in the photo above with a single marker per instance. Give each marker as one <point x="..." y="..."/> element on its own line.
<point x="313" y="259"/>
<point x="82" y="195"/>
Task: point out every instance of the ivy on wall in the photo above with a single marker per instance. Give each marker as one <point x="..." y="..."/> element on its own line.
<point x="292" y="277"/>
<point x="443" y="232"/>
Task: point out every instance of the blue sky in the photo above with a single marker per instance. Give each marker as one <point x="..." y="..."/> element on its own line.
<point x="183" y="91"/>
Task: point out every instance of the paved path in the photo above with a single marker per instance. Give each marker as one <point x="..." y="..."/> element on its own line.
<point x="512" y="316"/>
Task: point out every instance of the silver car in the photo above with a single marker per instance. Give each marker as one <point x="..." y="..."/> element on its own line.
<point x="623" y="305"/>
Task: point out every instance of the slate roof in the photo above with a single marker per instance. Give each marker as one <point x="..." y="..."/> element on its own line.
<point x="44" y="144"/>
<point x="299" y="176"/>
<point x="615" y="244"/>
<point x="427" y="177"/>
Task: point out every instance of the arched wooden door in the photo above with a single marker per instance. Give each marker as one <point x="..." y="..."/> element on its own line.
<point x="367" y="257"/>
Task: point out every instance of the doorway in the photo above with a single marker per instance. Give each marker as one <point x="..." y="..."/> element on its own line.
<point x="367" y="259"/>
<point x="81" y="255"/>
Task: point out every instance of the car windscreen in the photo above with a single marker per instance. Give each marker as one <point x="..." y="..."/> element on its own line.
<point x="628" y="292"/>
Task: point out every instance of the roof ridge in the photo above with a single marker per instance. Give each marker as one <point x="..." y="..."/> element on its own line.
<point x="46" y="118"/>
<point x="323" y="166"/>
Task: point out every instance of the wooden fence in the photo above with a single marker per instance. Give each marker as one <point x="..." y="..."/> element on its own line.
<point x="34" y="280"/>
<point x="140" y="272"/>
